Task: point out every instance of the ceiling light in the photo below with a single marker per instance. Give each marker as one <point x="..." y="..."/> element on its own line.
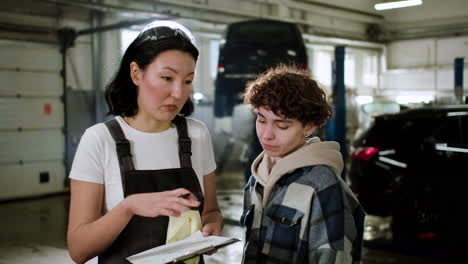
<point x="397" y="4"/>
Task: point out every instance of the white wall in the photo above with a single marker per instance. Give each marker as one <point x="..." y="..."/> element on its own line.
<point x="424" y="67"/>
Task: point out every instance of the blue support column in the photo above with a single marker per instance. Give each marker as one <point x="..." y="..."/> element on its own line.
<point x="459" y="80"/>
<point x="336" y="127"/>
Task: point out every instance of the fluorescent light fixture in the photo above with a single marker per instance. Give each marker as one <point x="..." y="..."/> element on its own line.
<point x="397" y="4"/>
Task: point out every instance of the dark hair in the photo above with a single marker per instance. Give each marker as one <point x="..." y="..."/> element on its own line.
<point x="290" y="92"/>
<point x="121" y="93"/>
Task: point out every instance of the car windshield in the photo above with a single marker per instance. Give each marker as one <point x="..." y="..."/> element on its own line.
<point x="391" y="131"/>
<point x="377" y="108"/>
<point x="277" y="34"/>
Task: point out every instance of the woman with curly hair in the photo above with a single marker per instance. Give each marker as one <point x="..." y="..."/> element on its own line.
<point x="297" y="209"/>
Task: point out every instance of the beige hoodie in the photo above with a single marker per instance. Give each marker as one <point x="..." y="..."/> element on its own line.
<point x="313" y="152"/>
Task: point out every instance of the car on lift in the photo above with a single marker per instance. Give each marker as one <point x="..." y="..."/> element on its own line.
<point x="411" y="166"/>
<point x="250" y="48"/>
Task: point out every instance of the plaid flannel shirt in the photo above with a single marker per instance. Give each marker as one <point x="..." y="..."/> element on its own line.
<point x="312" y="217"/>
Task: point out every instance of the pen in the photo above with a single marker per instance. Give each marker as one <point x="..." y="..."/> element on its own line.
<point x="185" y="196"/>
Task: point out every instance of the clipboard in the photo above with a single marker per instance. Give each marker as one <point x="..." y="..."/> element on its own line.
<point x="181" y="250"/>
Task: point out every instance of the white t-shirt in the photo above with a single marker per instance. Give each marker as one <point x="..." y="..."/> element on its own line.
<point x="96" y="157"/>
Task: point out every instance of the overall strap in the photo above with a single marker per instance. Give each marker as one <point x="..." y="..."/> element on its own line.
<point x="123" y="148"/>
<point x="185" y="144"/>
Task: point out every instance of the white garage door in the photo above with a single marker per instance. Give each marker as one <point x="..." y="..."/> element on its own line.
<point x="31" y="120"/>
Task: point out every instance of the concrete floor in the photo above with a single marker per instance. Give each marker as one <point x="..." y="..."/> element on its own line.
<point x="34" y="231"/>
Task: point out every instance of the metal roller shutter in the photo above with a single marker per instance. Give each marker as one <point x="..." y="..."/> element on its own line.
<point x="31" y="120"/>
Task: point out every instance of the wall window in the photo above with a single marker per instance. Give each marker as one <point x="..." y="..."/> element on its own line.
<point x="350" y="71"/>
<point x="322" y="68"/>
<point x="370" y="71"/>
<point x="214" y="54"/>
<point x="126" y="38"/>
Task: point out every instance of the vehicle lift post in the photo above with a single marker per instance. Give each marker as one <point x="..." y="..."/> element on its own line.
<point x="459" y="80"/>
<point x="336" y="127"/>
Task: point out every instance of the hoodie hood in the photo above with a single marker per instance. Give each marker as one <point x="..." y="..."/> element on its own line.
<point x="313" y="152"/>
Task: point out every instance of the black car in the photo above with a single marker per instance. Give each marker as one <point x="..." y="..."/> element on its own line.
<point x="250" y="48"/>
<point x="411" y="166"/>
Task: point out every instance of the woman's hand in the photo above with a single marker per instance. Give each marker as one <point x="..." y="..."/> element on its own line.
<point x="212" y="219"/>
<point x="168" y="203"/>
<point x="212" y="223"/>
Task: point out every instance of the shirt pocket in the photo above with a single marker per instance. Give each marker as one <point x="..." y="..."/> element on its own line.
<point x="283" y="229"/>
<point x="246" y="220"/>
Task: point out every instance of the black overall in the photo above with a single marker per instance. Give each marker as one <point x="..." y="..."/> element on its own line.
<point x="143" y="233"/>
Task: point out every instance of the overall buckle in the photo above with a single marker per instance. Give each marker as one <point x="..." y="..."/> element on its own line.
<point x="185" y="145"/>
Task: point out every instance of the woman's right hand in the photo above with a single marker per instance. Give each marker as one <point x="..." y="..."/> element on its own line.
<point x="167" y="203"/>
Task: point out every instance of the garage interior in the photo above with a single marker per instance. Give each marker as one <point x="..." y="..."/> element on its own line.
<point x="58" y="55"/>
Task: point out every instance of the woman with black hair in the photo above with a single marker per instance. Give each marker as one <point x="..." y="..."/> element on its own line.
<point x="145" y="178"/>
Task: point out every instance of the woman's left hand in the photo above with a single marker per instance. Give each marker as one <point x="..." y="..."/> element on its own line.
<point x="212" y="223"/>
<point x="212" y="219"/>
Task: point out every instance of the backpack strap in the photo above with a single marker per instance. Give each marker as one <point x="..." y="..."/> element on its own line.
<point x="185" y="144"/>
<point x="123" y="148"/>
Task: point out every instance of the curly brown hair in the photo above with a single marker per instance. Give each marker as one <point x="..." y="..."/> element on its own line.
<point x="290" y="92"/>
